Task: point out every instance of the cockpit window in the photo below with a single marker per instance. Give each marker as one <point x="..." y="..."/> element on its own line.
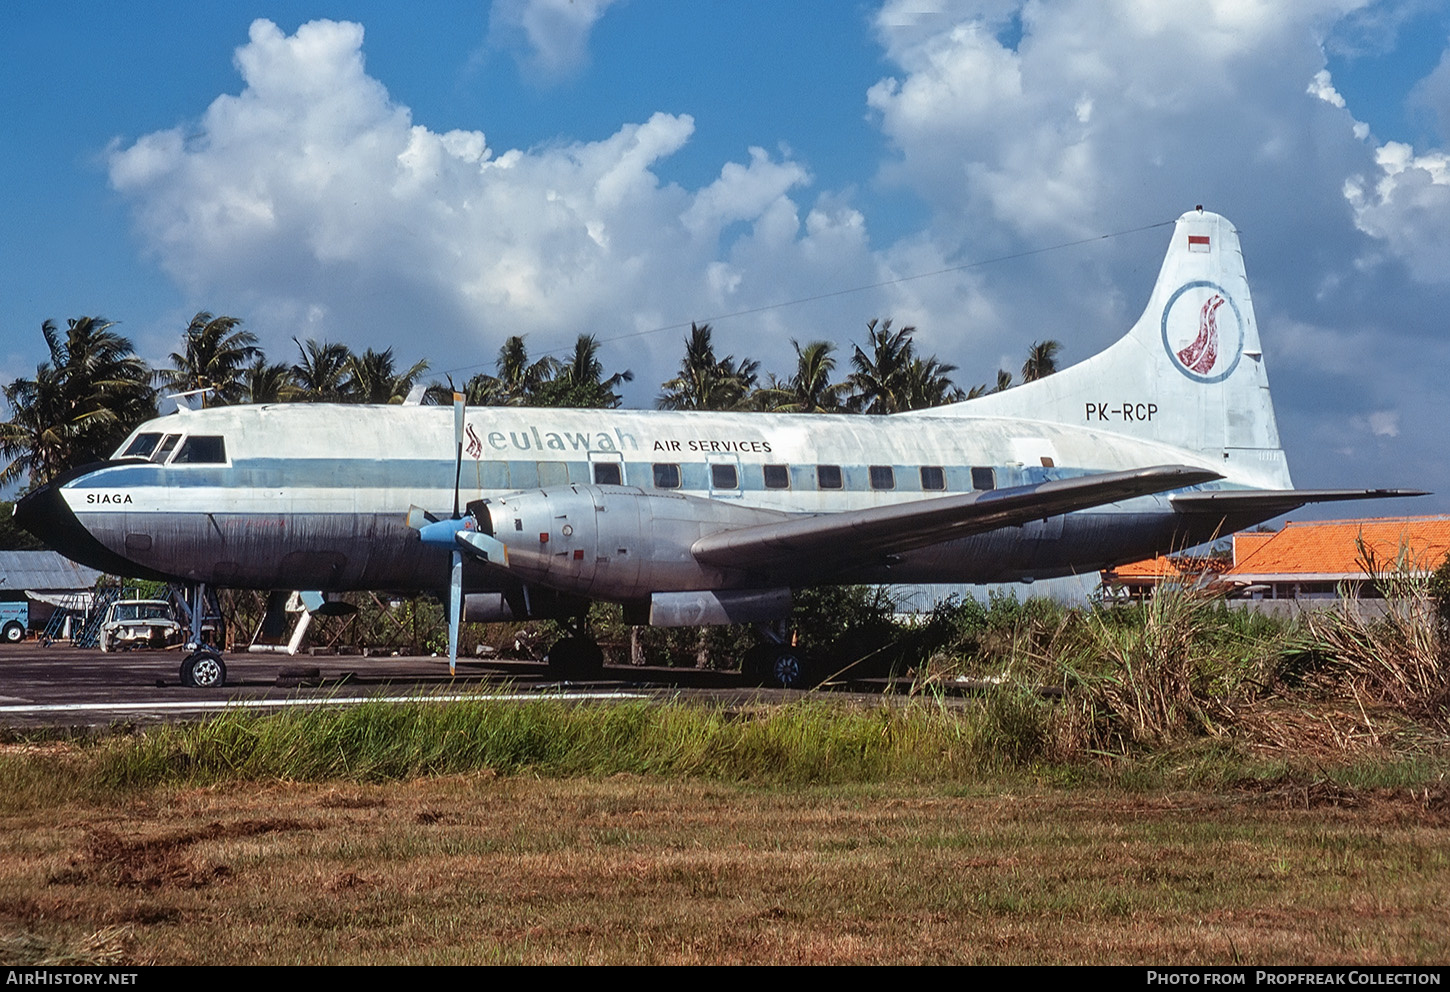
<point x="141" y="446"/>
<point x="165" y="448"/>
<point x="202" y="449"/>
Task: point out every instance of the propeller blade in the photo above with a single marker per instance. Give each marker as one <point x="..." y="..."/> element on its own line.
<point x="418" y="517"/>
<point x="492" y="550"/>
<point x="458" y="441"/>
<point x="455" y="606"/>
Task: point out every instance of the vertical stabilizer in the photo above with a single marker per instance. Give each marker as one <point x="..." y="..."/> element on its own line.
<point x="1190" y="373"/>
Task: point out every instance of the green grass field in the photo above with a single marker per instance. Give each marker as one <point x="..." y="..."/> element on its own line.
<point x="1198" y="786"/>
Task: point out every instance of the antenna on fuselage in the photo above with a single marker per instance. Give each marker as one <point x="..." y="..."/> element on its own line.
<point x="184" y="401"/>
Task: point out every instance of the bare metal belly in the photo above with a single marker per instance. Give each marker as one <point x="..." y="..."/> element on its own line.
<point x="376" y="551"/>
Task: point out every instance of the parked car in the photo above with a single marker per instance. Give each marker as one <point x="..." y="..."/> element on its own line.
<point x="133" y="623"/>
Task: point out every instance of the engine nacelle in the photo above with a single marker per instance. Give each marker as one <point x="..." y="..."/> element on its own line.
<point x="522" y="603"/>
<point x="620" y="540"/>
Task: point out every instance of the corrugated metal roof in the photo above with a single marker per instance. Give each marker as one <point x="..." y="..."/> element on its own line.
<point x="45" y="570"/>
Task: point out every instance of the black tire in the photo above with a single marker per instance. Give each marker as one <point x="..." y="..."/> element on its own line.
<point x="789" y="669"/>
<point x="576" y="658"/>
<point x="13" y="633"/>
<point x="204" y="670"/>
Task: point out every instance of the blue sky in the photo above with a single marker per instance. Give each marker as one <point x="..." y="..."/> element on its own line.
<point x="435" y="177"/>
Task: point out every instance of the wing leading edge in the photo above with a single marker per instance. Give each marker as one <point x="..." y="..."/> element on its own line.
<point x="907" y="526"/>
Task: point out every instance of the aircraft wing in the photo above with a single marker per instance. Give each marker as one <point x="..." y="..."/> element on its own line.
<point x="1266" y="503"/>
<point x="854" y="534"/>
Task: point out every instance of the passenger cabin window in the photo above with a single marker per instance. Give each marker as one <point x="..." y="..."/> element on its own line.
<point x="724" y="477"/>
<point x="163" y="451"/>
<point x="777" y="476"/>
<point x="141" y="446"/>
<point x="828" y="476"/>
<point x="607" y="474"/>
<point x="882" y="477"/>
<point x="667" y="475"/>
<point x="553" y="473"/>
<point x="933" y="479"/>
<point x="202" y="449"/>
<point x="984" y="478"/>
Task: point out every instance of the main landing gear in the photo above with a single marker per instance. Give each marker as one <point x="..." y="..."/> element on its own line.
<point x="575" y="657"/>
<point x="777" y="664"/>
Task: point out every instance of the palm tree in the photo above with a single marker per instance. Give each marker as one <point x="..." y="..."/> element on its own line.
<point x="893" y="377"/>
<point x="268" y="383"/>
<point x="928" y="384"/>
<point x="706" y="382"/>
<point x="36" y="439"/>
<point x="81" y="404"/>
<point x="517" y="382"/>
<point x="1004" y="380"/>
<point x="580" y="382"/>
<point x="214" y="357"/>
<point x="321" y="375"/>
<point x="1041" y="360"/>
<point x="810" y="390"/>
<point x="372" y="378"/>
<point x="878" y="383"/>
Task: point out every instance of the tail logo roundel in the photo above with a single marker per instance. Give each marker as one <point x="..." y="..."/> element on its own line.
<point x="1203" y="331"/>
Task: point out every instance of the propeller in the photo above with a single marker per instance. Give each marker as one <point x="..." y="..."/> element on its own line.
<point x="444" y="533"/>
<point x="457" y="533"/>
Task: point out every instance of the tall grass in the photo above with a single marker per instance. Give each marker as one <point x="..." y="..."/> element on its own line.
<point x="1181" y="666"/>
<point x="1396" y="658"/>
<point x="1133" y="675"/>
<point x="798" y="743"/>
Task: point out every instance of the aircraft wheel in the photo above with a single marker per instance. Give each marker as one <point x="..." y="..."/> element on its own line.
<point x="789" y="669"/>
<point x="204" y="670"/>
<point x="14" y="633"/>
<point x="575" y="658"/>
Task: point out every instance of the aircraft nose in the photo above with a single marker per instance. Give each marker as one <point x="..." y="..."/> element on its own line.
<point x="45" y="513"/>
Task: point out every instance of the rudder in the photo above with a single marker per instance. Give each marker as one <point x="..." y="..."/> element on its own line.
<point x="1190" y="373"/>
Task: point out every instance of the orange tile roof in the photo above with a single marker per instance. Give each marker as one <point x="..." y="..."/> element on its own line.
<point x="1164" y="567"/>
<point x="1328" y="547"/>
<point x="1248" y="541"/>
<point x="1154" y="568"/>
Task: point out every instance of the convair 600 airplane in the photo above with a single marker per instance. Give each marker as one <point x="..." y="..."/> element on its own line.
<point x="1162" y="441"/>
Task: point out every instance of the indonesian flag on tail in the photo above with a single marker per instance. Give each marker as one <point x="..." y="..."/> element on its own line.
<point x="1198" y="242"/>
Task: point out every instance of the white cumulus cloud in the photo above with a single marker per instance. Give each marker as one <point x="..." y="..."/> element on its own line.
<point x="1407" y="208"/>
<point x="318" y="197"/>
<point x="551" y="37"/>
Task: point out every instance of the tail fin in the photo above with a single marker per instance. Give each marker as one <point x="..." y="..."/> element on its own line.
<point x="1190" y="373"/>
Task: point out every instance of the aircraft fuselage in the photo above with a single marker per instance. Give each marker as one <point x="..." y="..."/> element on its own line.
<point x="314" y="496"/>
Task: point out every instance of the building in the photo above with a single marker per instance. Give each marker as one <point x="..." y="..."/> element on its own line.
<point x="1306" y="560"/>
<point x="1319" y="559"/>
<point x="45" y="580"/>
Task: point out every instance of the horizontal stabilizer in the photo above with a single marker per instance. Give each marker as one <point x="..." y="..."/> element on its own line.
<point x="1265" y="503"/>
<point x="825" y="539"/>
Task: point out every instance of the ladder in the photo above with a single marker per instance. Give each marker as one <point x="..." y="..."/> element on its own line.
<point x="89" y="633"/>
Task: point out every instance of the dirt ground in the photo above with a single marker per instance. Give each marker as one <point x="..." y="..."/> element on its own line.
<point x="484" y="869"/>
